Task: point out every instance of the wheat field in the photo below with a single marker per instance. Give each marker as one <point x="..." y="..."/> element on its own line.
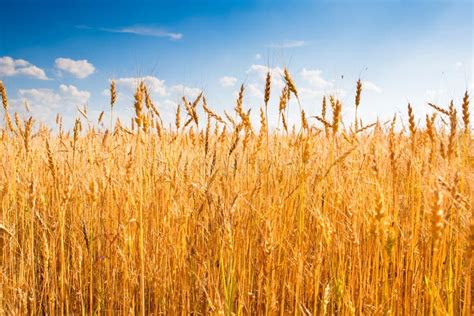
<point x="218" y="214"/>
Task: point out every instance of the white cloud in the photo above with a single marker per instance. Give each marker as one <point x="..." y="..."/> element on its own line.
<point x="181" y="90"/>
<point x="154" y="84"/>
<point x="227" y="81"/>
<point x="21" y="62"/>
<point x="289" y="44"/>
<point x="78" y="68"/>
<point x="40" y="97"/>
<point x="314" y="78"/>
<point x="254" y="91"/>
<point x="370" y="86"/>
<point x="44" y="104"/>
<point x="436" y="94"/>
<point x="167" y="109"/>
<point x="68" y="95"/>
<point x="33" y="71"/>
<point x="73" y="92"/>
<point x="258" y="56"/>
<point x="18" y="67"/>
<point x="145" y="31"/>
<point x="310" y="94"/>
<point x="169" y="105"/>
<point x="260" y="71"/>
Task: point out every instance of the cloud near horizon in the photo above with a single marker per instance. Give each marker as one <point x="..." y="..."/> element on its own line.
<point x="44" y="103"/>
<point x="227" y="81"/>
<point x="370" y="86"/>
<point x="10" y="67"/>
<point x="314" y="78"/>
<point x="153" y="84"/>
<point x="67" y="95"/>
<point x="181" y="90"/>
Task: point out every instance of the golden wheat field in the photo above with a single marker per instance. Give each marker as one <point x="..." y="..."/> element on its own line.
<point x="217" y="216"/>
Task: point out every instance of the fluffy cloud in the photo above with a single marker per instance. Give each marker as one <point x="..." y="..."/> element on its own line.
<point x="40" y="97"/>
<point x="313" y="77"/>
<point x="68" y="95"/>
<point x="310" y="94"/>
<point x="370" y="86"/>
<point x="254" y="91"/>
<point x="74" y="93"/>
<point x="78" y="68"/>
<point x="181" y="90"/>
<point x="260" y="71"/>
<point x="154" y="84"/>
<point x="227" y="81"/>
<point x="20" y="67"/>
<point x="436" y="94"/>
<point x="44" y="104"/>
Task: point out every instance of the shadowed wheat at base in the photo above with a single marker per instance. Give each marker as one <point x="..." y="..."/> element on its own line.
<point x="216" y="216"/>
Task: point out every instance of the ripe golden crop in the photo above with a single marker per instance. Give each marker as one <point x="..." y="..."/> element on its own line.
<point x="216" y="216"/>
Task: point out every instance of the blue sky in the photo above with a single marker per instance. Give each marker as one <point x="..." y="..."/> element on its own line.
<point x="57" y="55"/>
